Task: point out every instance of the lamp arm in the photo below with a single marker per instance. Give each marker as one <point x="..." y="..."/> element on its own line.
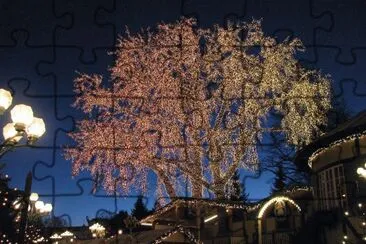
<point x="10" y="144"/>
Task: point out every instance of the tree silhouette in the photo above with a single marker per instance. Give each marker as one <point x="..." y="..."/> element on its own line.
<point x="279" y="183"/>
<point x="139" y="210"/>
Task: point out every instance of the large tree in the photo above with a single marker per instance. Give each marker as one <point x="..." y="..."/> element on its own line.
<point x="279" y="153"/>
<point x="189" y="103"/>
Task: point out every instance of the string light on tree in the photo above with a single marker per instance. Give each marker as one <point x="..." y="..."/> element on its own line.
<point x="168" y="98"/>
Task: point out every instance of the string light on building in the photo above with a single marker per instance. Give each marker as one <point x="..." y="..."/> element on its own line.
<point x="333" y="144"/>
<point x="211" y="218"/>
<point x="178" y="229"/>
<point x="56" y="236"/>
<point x="97" y="230"/>
<point x="274" y="200"/>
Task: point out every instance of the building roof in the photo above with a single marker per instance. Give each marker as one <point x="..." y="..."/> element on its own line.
<point x="294" y="193"/>
<point x="354" y="126"/>
<point x="202" y="202"/>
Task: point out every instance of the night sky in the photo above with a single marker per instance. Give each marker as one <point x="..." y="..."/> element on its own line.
<point x="44" y="43"/>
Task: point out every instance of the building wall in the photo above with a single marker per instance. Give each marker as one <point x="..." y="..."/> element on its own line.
<point x="349" y="156"/>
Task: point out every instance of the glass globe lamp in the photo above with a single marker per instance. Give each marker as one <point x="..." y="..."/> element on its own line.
<point x="33" y="197"/>
<point x="5" y="100"/>
<point x="39" y="205"/>
<point x="10" y="133"/>
<point x="47" y="207"/>
<point x="22" y="116"/>
<point x="36" y="129"/>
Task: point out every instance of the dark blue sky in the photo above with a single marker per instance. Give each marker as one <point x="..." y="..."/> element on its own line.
<point x="44" y="43"/>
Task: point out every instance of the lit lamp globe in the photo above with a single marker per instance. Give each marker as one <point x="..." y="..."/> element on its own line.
<point x="47" y="207"/>
<point x="360" y="171"/>
<point x="22" y="116"/>
<point x="5" y="100"/>
<point x="39" y="205"/>
<point x="10" y="133"/>
<point x="35" y="130"/>
<point x="33" y="197"/>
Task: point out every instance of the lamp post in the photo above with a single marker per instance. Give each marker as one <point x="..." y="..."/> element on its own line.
<point x="23" y="123"/>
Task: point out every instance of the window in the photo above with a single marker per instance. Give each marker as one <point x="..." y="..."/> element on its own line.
<point x="331" y="188"/>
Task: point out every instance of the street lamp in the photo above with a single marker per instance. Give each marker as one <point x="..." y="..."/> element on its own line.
<point x="35" y="130"/>
<point x="22" y="116"/>
<point x="11" y="135"/>
<point x="47" y="207"/>
<point x="5" y="100"/>
<point x="23" y="123"/>
<point x="33" y="197"/>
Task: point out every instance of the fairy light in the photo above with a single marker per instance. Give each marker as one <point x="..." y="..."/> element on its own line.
<point x="194" y="202"/>
<point x="167" y="84"/>
<point x="211" y="218"/>
<point x="334" y="144"/>
<point x="274" y="200"/>
<point x="178" y="229"/>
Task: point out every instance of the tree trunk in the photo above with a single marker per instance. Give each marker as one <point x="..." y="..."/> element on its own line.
<point x="167" y="183"/>
<point x="196" y="189"/>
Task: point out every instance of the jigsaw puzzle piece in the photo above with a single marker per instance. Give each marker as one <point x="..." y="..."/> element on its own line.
<point x="18" y="62"/>
<point x="80" y="192"/>
<point x="83" y="33"/>
<point x="214" y="12"/>
<point x="16" y="15"/>
<point x="348" y="82"/>
<point x="128" y="13"/>
<point x="284" y="18"/>
<point x="341" y="36"/>
<point x="65" y="64"/>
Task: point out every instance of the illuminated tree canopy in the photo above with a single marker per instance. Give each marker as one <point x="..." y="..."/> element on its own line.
<point x="189" y="103"/>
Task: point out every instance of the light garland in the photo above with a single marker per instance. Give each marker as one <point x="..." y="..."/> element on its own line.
<point x="167" y="99"/>
<point x="201" y="202"/>
<point x="178" y="229"/>
<point x="335" y="143"/>
<point x="274" y="200"/>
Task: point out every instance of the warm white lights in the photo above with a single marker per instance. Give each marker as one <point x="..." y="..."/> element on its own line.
<point x="17" y="204"/>
<point x="5" y="100"/>
<point x="36" y="129"/>
<point x="120" y="232"/>
<point x="96" y="226"/>
<point x="39" y="205"/>
<point x="10" y="133"/>
<point x="276" y="199"/>
<point x="22" y="116"/>
<point x="23" y="121"/>
<point x="67" y="234"/>
<point x="56" y="236"/>
<point x="47" y="207"/>
<point x="210" y="218"/>
<point x="346" y="213"/>
<point x="97" y="230"/>
<point x="361" y="171"/>
<point x="34" y="197"/>
<point x="146" y="224"/>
